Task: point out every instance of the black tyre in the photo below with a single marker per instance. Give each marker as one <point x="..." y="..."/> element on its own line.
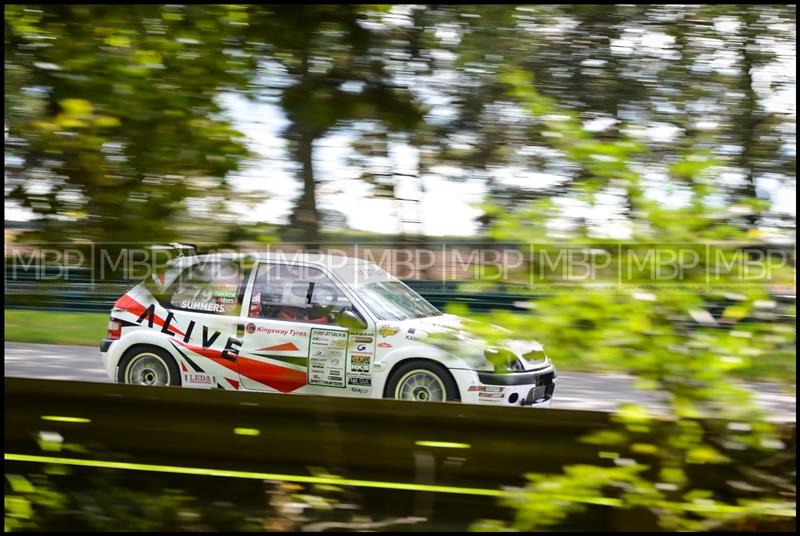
<point x="421" y="380"/>
<point x="148" y="365"/>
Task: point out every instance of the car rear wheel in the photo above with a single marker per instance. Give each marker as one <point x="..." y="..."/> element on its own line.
<point x="422" y="381"/>
<point x="148" y="366"/>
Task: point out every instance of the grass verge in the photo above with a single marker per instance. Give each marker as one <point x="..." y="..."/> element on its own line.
<point x="52" y="327"/>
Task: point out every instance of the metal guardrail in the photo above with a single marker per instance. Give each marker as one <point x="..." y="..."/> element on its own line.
<point x="76" y="292"/>
<point x="365" y="435"/>
<point x="446" y="463"/>
<point x="442" y="463"/>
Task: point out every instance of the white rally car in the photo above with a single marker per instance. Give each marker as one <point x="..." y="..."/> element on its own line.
<point x="310" y="324"/>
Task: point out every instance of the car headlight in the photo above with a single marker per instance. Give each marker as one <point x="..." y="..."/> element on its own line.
<point x="535" y="357"/>
<point x="504" y="360"/>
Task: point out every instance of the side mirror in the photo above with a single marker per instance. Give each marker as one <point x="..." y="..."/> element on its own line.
<point x="348" y="319"/>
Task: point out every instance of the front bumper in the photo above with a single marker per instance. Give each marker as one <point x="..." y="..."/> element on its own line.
<point x="528" y="389"/>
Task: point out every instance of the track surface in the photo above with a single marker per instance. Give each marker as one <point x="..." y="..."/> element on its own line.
<point x="575" y="390"/>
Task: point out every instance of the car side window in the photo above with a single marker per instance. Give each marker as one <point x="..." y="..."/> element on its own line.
<point x="296" y="294"/>
<point x="209" y="287"/>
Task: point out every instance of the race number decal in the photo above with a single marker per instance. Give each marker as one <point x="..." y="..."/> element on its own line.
<point x="327" y="357"/>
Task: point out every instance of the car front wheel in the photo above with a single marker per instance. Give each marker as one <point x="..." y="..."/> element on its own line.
<point x="422" y="381"/>
<point x="148" y="366"/>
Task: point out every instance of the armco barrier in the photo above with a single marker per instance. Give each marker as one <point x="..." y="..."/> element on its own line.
<point x="77" y="293"/>
<point x="388" y="450"/>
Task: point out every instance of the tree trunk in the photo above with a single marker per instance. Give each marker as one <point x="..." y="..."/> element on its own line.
<point x="748" y="121"/>
<point x="306" y="215"/>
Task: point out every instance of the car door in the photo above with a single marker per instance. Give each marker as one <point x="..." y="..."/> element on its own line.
<point x="291" y="339"/>
<point x="205" y="303"/>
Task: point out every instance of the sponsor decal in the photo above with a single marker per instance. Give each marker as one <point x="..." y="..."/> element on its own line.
<point x="195" y="377"/>
<point x="362" y="390"/>
<point x="203" y="306"/>
<point x="327" y="355"/>
<point x="384" y="345"/>
<point x="251" y="328"/>
<point x="363" y="348"/>
<point x="359" y="364"/>
<point x="366" y="340"/>
<point x="360" y="381"/>
<point x="486" y="388"/>
<point x="413" y="335"/>
<point x="231" y="349"/>
<point x="220" y="293"/>
<point x="130" y="305"/>
<point x="199" y="379"/>
<point x="266" y="330"/>
<point x="388" y="331"/>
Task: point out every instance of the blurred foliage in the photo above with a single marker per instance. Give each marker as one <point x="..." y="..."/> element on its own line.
<point x="112" y="119"/>
<point x="56" y="498"/>
<point x="640" y="327"/>
<point x="114" y="129"/>
<point x="671" y="78"/>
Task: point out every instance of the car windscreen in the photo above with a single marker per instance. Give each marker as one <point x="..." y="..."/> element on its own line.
<point x="393" y="300"/>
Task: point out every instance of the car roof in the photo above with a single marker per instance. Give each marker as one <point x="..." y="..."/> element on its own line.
<point x="350" y="270"/>
<point x="320" y="259"/>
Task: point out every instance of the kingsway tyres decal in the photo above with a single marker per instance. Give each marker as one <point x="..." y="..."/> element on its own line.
<point x="280" y="331"/>
<point x="232" y="345"/>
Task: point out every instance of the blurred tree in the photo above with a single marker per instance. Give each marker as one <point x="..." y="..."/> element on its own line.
<point x="335" y="60"/>
<point x="125" y="112"/>
<point x="112" y="120"/>
<point x="765" y="149"/>
<point x="683" y="76"/>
